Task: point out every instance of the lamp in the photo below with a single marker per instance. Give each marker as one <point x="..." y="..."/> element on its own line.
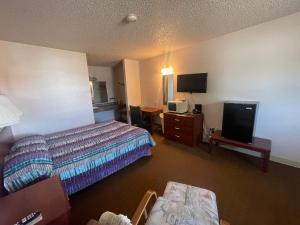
<point x="167" y="71"/>
<point x="9" y="113"/>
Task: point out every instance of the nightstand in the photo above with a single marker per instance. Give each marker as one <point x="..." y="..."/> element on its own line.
<point x="47" y="197"/>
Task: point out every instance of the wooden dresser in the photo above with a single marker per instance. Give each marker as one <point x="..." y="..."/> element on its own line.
<point x="184" y="128"/>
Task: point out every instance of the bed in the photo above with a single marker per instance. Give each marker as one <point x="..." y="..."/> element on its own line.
<point x="80" y="156"/>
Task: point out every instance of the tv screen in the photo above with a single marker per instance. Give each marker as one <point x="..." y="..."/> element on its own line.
<point x="193" y="83"/>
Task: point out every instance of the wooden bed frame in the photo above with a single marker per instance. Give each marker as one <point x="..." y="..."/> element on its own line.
<point x="145" y="202"/>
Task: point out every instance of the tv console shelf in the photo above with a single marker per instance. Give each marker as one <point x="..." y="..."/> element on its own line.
<point x="258" y="145"/>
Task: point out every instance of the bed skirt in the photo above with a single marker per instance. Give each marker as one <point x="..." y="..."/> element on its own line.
<point x="81" y="181"/>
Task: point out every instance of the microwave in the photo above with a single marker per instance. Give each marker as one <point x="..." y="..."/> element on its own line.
<point x="178" y="106"/>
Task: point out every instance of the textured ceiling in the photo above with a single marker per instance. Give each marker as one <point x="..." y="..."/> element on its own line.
<point x="95" y="26"/>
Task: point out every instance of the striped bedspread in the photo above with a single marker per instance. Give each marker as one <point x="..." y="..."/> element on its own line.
<point x="78" y="151"/>
<point x="80" y="156"/>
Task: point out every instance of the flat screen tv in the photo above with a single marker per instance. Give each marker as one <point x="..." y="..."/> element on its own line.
<point x="193" y="83"/>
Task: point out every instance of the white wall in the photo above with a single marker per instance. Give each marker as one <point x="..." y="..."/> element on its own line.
<point x="132" y="81"/>
<point x="50" y="86"/>
<point x="104" y="73"/>
<point x="260" y="63"/>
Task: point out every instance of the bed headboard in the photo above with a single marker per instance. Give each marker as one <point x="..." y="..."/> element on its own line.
<point x="6" y="140"/>
<point x="4" y="148"/>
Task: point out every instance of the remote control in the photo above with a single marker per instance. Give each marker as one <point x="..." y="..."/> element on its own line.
<point x="31" y="219"/>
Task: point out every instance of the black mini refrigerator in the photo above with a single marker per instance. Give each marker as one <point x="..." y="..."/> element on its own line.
<point x="238" y="121"/>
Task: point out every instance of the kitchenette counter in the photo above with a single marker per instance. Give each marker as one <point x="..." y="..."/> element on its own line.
<point x="105" y="107"/>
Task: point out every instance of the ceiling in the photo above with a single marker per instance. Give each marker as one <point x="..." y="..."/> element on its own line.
<point x="96" y="27"/>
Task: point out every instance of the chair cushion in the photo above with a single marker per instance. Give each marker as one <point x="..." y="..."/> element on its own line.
<point x="167" y="212"/>
<point x="185" y="204"/>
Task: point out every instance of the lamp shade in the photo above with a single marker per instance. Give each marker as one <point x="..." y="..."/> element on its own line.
<point x="9" y="113"/>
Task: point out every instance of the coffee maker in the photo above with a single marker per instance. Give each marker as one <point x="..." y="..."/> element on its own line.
<point x="197" y="109"/>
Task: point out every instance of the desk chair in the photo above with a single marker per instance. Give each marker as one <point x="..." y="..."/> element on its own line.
<point x="138" y="120"/>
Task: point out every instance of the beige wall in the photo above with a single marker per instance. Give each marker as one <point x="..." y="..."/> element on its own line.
<point x="132" y="81"/>
<point x="261" y="63"/>
<point x="49" y="85"/>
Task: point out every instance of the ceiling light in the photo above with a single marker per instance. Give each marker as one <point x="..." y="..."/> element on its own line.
<point x="131" y="18"/>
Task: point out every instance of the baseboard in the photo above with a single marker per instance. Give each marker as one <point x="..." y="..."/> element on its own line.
<point x="285" y="161"/>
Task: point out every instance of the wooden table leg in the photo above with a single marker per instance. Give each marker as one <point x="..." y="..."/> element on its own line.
<point x="265" y="161"/>
<point x="152" y="117"/>
<point x="217" y="143"/>
<point x="210" y="145"/>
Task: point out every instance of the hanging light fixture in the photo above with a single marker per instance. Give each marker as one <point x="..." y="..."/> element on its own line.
<point x="167" y="71"/>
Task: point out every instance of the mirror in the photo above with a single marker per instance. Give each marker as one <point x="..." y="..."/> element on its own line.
<point x="168" y="88"/>
<point x="98" y="91"/>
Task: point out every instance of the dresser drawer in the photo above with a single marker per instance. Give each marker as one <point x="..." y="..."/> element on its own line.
<point x="178" y="120"/>
<point x="179" y="128"/>
<point x="180" y="138"/>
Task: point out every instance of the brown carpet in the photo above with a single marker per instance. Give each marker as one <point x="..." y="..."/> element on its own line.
<point x="245" y="195"/>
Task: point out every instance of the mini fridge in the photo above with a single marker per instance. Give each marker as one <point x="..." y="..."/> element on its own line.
<point x="239" y="121"/>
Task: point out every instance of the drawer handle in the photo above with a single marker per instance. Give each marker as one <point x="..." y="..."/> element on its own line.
<point x="178" y="136"/>
<point x="177" y="120"/>
<point x="177" y="128"/>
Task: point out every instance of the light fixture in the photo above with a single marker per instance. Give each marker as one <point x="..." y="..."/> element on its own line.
<point x="9" y="113"/>
<point x="130" y="18"/>
<point x="167" y="71"/>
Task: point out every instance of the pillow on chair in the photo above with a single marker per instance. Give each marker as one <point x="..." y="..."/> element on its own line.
<point x="109" y="218"/>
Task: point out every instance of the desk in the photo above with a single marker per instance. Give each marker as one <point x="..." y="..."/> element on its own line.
<point x="151" y="112"/>
<point x="258" y="145"/>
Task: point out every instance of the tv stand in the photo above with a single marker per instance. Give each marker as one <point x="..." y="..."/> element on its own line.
<point x="258" y="145"/>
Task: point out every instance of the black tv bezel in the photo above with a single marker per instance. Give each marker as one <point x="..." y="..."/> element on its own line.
<point x="193" y="74"/>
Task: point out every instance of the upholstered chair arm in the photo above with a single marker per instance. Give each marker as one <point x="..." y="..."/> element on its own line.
<point x="142" y="208"/>
<point x="224" y="222"/>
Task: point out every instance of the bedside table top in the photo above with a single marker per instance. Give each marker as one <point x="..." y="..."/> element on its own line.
<point x="47" y="197"/>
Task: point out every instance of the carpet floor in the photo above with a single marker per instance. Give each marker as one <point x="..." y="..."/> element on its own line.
<point x="245" y="195"/>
